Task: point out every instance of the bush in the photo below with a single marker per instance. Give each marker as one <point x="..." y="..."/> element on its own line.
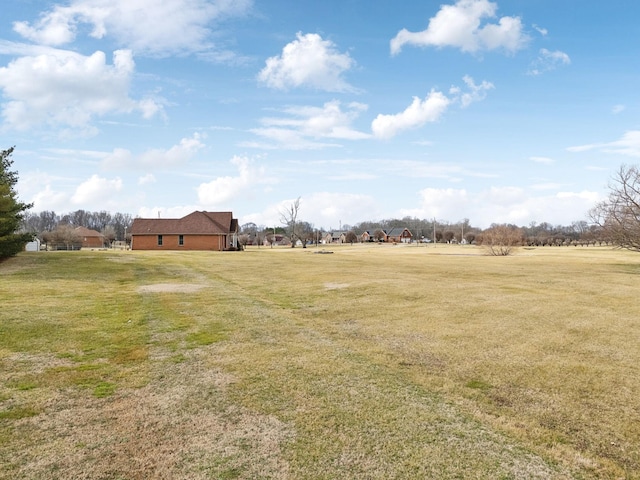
<point x="500" y="240"/>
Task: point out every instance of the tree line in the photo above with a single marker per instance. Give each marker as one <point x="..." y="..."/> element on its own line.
<point x="428" y="230"/>
<point x="615" y="221"/>
<point x="54" y="228"/>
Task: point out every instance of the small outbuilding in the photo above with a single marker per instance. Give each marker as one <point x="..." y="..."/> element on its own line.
<point x="33" y="246"/>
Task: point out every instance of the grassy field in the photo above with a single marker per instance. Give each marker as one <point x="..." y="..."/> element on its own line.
<point x="373" y="362"/>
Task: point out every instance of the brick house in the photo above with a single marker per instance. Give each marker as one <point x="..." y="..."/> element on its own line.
<point x="90" y="238"/>
<point x="399" y="235"/>
<point x="196" y="231"/>
<point x="334" y="237"/>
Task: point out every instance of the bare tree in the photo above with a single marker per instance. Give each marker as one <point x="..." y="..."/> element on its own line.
<point x="351" y="237"/>
<point x="271" y="239"/>
<point x="448" y="236"/>
<point x="243" y="240"/>
<point x="109" y="233"/>
<point x="63" y="237"/>
<point x="306" y="233"/>
<point x="379" y="235"/>
<point x="499" y="240"/>
<point x="619" y="215"/>
<point x="289" y="218"/>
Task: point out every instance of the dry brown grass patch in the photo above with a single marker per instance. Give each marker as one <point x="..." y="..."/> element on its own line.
<point x="177" y="427"/>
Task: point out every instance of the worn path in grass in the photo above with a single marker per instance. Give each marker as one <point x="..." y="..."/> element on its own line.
<point x="392" y="363"/>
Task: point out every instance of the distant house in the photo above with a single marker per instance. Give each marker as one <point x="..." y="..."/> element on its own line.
<point x="196" y="231"/>
<point x="376" y="236"/>
<point x="90" y="238"/>
<point x="399" y="235"/>
<point x="335" y="237"/>
<point x="277" y="239"/>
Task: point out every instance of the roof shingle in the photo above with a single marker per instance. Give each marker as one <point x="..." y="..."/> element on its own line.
<point x="196" y="223"/>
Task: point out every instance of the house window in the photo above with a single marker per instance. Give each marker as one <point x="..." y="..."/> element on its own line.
<point x="181" y="240"/>
<point x="159" y="240"/>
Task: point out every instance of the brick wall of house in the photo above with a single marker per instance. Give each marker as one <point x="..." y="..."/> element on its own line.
<point x="92" y="242"/>
<point x="170" y="242"/>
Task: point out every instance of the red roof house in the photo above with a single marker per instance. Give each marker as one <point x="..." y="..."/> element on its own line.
<point x="90" y="238"/>
<point x="196" y="231"/>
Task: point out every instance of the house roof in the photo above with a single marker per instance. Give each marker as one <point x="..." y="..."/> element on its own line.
<point x="87" y="232"/>
<point x="196" y="223"/>
<point x="397" y="232"/>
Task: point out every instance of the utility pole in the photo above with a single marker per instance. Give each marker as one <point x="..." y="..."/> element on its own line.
<point x="434" y="232"/>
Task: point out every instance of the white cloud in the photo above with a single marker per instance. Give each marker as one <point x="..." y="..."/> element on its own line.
<point x="96" y="190"/>
<point x="430" y="109"/>
<point x="415" y="115"/>
<point x="475" y="93"/>
<point x="155" y="158"/>
<point x="145" y="26"/>
<point x="66" y="89"/>
<point x="503" y="205"/>
<point x="547" y="61"/>
<point x="542" y="31"/>
<point x="628" y="145"/>
<point x="308" y="127"/>
<point x="308" y="61"/>
<point x="461" y="26"/>
<point x="220" y="191"/>
<point x="323" y="209"/>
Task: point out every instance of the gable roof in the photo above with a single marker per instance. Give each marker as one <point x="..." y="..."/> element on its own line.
<point x="196" y="223"/>
<point x="398" y="231"/>
<point x="87" y="232"/>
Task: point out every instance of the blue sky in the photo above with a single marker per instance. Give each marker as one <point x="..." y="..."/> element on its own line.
<point x="513" y="111"/>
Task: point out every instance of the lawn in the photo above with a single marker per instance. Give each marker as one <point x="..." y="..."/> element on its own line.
<point x="373" y="362"/>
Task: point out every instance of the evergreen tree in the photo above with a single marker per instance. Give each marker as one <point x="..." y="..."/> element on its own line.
<point x="11" y="210"/>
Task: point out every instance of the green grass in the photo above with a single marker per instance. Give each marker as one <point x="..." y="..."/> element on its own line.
<point x="373" y="362"/>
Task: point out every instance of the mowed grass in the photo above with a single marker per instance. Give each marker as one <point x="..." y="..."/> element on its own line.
<point x="371" y="362"/>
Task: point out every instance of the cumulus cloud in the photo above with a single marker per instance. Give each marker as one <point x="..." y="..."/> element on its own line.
<point x="144" y="26"/>
<point x="462" y="26"/>
<point x="503" y="205"/>
<point x="221" y="190"/>
<point x="310" y="62"/>
<point x="49" y="199"/>
<point x="63" y="193"/>
<point x="66" y="89"/>
<point x="308" y="127"/>
<point x="430" y="109"/>
<point x="96" y="190"/>
<point x="415" y="115"/>
<point x="323" y="209"/>
<point x="155" y="158"/>
<point x="548" y="61"/>
<point x="628" y="145"/>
